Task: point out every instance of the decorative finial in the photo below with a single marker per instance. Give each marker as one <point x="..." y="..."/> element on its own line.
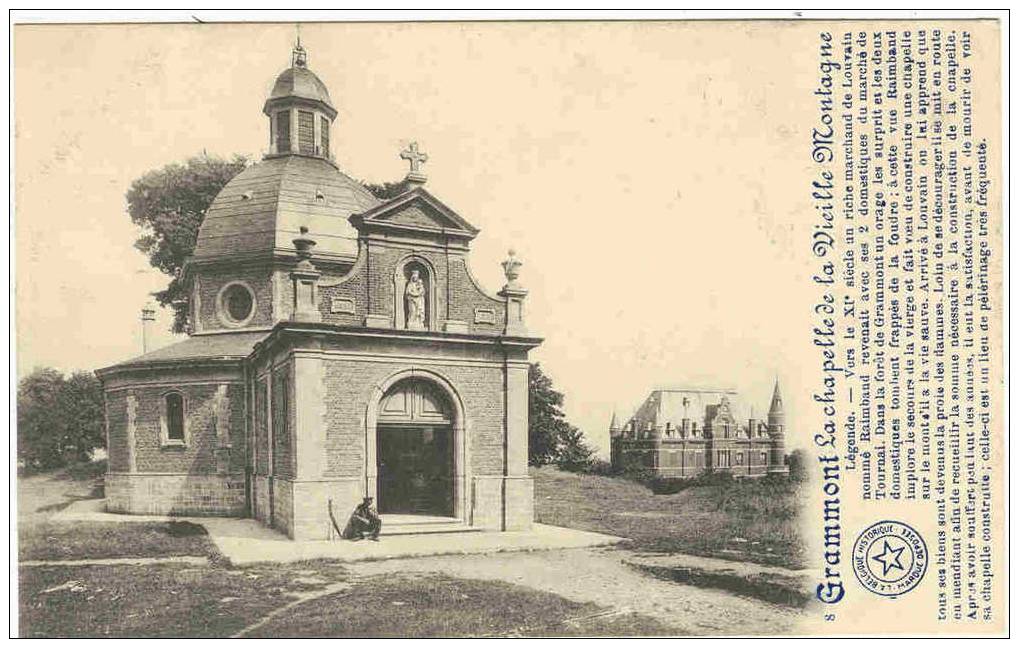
<point x="415" y="157"/>
<point x="300" y="56"/>
<point x="511" y="266"/>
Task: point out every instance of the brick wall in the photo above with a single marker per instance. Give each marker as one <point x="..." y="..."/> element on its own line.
<point x="369" y="289"/>
<point x="203" y="477"/>
<point x="338" y="296"/>
<point x="260" y="427"/>
<point x="260" y="498"/>
<point x="678" y="459"/>
<point x="283" y="505"/>
<point x="349" y="387"/>
<point x="175" y="494"/>
<point x="116" y="438"/>
<point x="465" y="298"/>
<point x="199" y="455"/>
<point x="210" y="283"/>
<point x="283" y="421"/>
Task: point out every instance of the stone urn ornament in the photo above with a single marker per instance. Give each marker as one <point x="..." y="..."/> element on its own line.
<point x="511" y="267"/>
<point x="304" y="245"/>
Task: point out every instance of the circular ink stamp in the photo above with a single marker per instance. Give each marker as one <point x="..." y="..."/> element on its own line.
<point x="890" y="558"/>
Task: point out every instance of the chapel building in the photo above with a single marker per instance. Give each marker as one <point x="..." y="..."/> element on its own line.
<point x="684" y="432"/>
<point x="339" y="347"/>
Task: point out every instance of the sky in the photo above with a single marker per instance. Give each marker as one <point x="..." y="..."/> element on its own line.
<point x="652" y="178"/>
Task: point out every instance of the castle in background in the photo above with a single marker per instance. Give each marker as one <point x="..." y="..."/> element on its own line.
<point x="683" y="432"/>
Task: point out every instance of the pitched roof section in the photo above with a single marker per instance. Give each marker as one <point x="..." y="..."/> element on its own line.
<point x="208" y="346"/>
<point x="669" y="406"/>
<point x="262" y="209"/>
<point x="416" y="211"/>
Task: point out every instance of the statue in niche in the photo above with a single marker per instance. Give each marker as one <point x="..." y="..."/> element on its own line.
<point x="415" y="297"/>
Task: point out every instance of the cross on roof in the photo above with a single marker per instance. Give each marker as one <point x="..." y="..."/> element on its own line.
<point x="415" y="157"/>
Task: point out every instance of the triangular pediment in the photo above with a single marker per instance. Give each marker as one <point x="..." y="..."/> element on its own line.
<point x="416" y="211"/>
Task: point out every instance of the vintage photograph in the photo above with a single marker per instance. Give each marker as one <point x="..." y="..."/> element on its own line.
<point x="484" y="329"/>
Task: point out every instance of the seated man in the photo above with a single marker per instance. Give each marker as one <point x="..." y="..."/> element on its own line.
<point x="364" y="520"/>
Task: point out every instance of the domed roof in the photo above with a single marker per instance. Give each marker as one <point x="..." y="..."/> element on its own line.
<point x="260" y="211"/>
<point x="300" y="82"/>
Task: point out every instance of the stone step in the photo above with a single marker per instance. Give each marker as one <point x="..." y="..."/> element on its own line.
<point x="427" y="528"/>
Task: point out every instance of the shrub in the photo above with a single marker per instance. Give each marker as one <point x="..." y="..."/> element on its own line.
<point x="797" y="463"/>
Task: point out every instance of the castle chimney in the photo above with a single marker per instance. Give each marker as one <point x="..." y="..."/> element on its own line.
<point x="148" y="319"/>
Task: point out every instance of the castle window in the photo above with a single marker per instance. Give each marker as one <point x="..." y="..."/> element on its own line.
<point x="739" y="458"/>
<point x="236" y="304"/>
<point x="283" y="131"/>
<point x="764" y="457"/>
<point x="306" y="132"/>
<point x="324" y="135"/>
<point x="172" y="420"/>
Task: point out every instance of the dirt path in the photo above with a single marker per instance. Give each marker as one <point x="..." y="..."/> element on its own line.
<point x="40" y="496"/>
<point x="302" y="597"/>
<point x="116" y="561"/>
<point x="600" y="576"/>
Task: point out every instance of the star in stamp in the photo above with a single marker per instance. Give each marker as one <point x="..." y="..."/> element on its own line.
<point x="890" y="558"/>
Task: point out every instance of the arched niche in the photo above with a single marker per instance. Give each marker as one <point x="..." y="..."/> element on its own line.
<point x="417" y="272"/>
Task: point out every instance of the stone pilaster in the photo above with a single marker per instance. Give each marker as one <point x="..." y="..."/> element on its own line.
<point x="221" y="406"/>
<point x="516" y="418"/>
<point x="309" y="417"/>
<point x="132" y="416"/>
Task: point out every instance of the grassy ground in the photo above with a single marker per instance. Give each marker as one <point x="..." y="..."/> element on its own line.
<point x="143" y="601"/>
<point x="48" y="540"/>
<point x="169" y="600"/>
<point x="215" y="600"/>
<point x="754" y="520"/>
<point x="435" y="605"/>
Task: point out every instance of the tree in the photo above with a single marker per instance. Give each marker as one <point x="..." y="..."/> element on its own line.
<point x="169" y="205"/>
<point x="84" y="418"/>
<point x="386" y="190"/>
<point x="797" y="463"/>
<point x="574" y="453"/>
<point x="551" y="438"/>
<point x="60" y="421"/>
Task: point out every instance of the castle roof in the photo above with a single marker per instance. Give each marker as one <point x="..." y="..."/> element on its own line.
<point x="776" y="401"/>
<point x="671" y="405"/>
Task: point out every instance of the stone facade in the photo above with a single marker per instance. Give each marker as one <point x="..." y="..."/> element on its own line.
<point x="684" y="432"/>
<point x="323" y="320"/>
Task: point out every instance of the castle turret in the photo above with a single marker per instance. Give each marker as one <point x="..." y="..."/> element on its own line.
<point x="614" y="427"/>
<point x="776" y="432"/>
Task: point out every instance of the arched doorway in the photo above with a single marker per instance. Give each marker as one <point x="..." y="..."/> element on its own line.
<point x="416" y="450"/>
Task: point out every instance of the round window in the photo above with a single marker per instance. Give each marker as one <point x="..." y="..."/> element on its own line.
<point x="237" y="304"/>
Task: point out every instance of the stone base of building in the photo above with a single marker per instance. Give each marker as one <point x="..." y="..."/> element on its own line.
<point x="502" y="503"/>
<point x="174" y="494"/>
<point x="301" y="509"/>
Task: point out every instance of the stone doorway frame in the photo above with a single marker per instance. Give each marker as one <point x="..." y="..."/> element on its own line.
<point x="461" y="451"/>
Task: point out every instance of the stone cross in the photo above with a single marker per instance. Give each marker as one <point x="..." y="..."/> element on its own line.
<point x="415" y="157"/>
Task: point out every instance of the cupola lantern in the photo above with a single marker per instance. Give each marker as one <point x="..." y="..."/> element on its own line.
<point x="300" y="111"/>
